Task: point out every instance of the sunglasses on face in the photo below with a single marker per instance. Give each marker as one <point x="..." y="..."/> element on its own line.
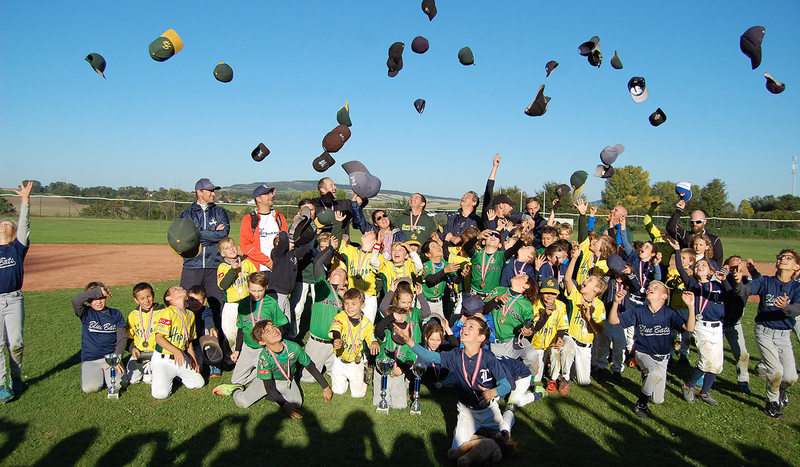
<point x="786" y="257"/>
<point x="339" y="286"/>
<point x="379" y="217"/>
<point x="699" y="221"/>
<point x="494" y="234"/>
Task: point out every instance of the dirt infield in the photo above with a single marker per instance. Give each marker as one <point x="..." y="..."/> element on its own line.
<point x="52" y="267"/>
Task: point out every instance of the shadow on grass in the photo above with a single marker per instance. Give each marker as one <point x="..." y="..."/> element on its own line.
<point x="70" y="449"/>
<point x="73" y="360"/>
<point x="15" y="435"/>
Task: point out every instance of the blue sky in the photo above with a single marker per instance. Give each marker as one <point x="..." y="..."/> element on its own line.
<point x="170" y="123"/>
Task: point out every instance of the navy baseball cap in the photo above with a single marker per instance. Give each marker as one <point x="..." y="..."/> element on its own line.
<point x="205" y="184"/>
<point x="471" y="305"/>
<point x="750" y="43"/>
<point x="538" y="107"/>
<point x="773" y="85"/>
<point x="262" y="190"/>
<point x="550" y="66"/>
<point x="420" y="45"/>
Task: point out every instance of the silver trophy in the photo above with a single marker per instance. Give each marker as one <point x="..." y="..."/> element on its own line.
<point x="113" y="360"/>
<point x="384" y="367"/>
<point x="418" y="369"/>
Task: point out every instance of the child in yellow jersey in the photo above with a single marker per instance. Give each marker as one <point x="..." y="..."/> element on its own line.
<point x="350" y="330"/>
<point x="550" y="315"/>
<point x="359" y="270"/>
<point x="402" y="263"/>
<point x="232" y="275"/>
<point x="682" y="339"/>
<point x="586" y="313"/>
<point x="174" y="356"/>
<point x="141" y="330"/>
<point x="593" y="253"/>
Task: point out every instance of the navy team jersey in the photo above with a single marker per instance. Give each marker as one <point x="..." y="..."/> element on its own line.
<point x="488" y="374"/>
<point x="11" y="259"/>
<point x="514" y="368"/>
<point x="770" y="288"/>
<point x="653" y="330"/>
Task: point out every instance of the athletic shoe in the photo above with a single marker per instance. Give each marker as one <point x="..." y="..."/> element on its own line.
<point x="551" y="386"/>
<point x="147" y="378"/>
<point x="17" y="386"/>
<point x="783" y="399"/>
<point x="539" y="392"/>
<point x="6" y="394"/>
<point x="563" y="387"/>
<point x="641" y="412"/>
<point x="707" y="399"/>
<point x="688" y="393"/>
<point x="226" y="389"/>
<point x="773" y="410"/>
<point x="744" y="388"/>
<point x="699" y="383"/>
<point x="616" y="377"/>
<point x="632" y="362"/>
<point x="214" y="372"/>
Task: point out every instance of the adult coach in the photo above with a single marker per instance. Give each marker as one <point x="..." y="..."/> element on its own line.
<point x="213" y="223"/>
<point x="327" y="200"/>
<point x="415" y="223"/>
<point x="460" y="221"/>
<point x="698" y="222"/>
<point x="13" y="248"/>
<point x="260" y="227"/>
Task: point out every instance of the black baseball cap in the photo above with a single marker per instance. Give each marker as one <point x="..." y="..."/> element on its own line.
<point x="260" y="152"/>
<point x="750" y="43"/>
<point x="323" y="162"/>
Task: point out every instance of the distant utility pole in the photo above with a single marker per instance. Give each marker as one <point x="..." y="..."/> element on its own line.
<point x="794" y="172"/>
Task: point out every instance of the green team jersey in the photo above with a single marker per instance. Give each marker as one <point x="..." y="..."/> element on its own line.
<point x="326" y="305"/>
<point x="492" y="264"/>
<point x="252" y="312"/>
<point x="511" y="315"/>
<point x="287" y="360"/>
<point x="404" y="354"/>
<point x="436" y="291"/>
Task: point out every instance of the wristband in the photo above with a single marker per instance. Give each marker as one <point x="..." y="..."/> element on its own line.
<point x="378" y="247"/>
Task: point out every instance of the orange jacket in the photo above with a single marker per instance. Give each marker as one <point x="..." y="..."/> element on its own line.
<point x="250" y="240"/>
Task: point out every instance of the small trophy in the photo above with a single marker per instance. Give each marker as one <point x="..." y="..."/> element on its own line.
<point x="384" y="367"/>
<point x="418" y="369"/>
<point x="113" y="360"/>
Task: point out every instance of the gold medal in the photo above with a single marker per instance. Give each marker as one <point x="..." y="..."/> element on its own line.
<point x="483" y="284"/>
<point x="501" y="320"/>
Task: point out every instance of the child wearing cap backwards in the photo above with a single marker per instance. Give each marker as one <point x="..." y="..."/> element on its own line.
<point x="328" y="296"/>
<point x="775" y="318"/>
<point x="257" y="306"/>
<point x="360" y="272"/>
<point x="277" y="367"/>
<point x="102" y="332"/>
<point x="140" y="329"/>
<point x="473" y="306"/>
<point x="548" y="333"/>
<point x="174" y="355"/>
<point x="709" y="310"/>
<point x="586" y="313"/>
<point x="512" y="310"/>
<point x="403" y="262"/>
<point x="488" y="261"/>
<point x="232" y="275"/>
<point x="479" y="379"/>
<point x="654" y="323"/>
<point x="404" y="358"/>
<point x="350" y="331"/>
<point x="439" y="277"/>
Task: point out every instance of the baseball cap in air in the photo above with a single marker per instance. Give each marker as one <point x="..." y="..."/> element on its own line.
<point x="420" y="45"/>
<point x="562" y="191"/>
<point x="166" y="46"/>
<point x="343" y="115"/>
<point x="429" y="7"/>
<point x="609" y="154"/>
<point x="323" y="162"/>
<point x="363" y="183"/>
<point x="616" y="63"/>
<point x="223" y="72"/>
<point x="774" y="86"/>
<point x="604" y="171"/>
<point x="395" y="60"/>
<point x="684" y="190"/>
<point x="419" y="104"/>
<point x="750" y="43"/>
<point x="550" y="66"/>
<point x="638" y="89"/>
<point x="577" y="180"/>
<point x="658" y="117"/>
<point x="97" y="62"/>
<point x="260" y="152"/>
<point x="465" y="56"/>
<point x="336" y="138"/>
<point x="539" y="105"/>
<point x="183" y="237"/>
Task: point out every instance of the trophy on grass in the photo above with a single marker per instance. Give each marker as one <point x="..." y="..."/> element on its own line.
<point x="418" y="369"/>
<point x="384" y="367"/>
<point x="113" y="360"/>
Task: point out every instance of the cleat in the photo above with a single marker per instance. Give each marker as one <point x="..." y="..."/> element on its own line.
<point x="707" y="399"/>
<point x="641" y="412"/>
<point x="744" y="388"/>
<point x="688" y="393"/>
<point x="226" y="389"/>
<point x="6" y="394"/>
<point x="551" y="386"/>
<point x="773" y="410"/>
<point x="563" y="387"/>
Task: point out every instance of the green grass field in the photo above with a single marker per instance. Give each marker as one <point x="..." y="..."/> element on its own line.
<point x="54" y="423"/>
<point x="114" y="231"/>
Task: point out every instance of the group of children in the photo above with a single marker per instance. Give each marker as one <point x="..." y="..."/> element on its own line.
<point x="500" y="313"/>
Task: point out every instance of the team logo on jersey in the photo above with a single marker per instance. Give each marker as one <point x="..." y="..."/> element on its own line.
<point x="165" y="321"/>
<point x="212" y="222"/>
<point x="485" y="375"/>
<point x="7" y="262"/>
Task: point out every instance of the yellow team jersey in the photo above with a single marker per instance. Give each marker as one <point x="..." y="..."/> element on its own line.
<point x="359" y="271"/>
<point x="141" y="328"/>
<point x="238" y="290"/>
<point x="577" y="326"/>
<point x="557" y="321"/>
<point x="676" y="288"/>
<point x="589" y="263"/>
<point x="455" y="256"/>
<point x="353" y="336"/>
<point x="391" y="272"/>
<point x="176" y="326"/>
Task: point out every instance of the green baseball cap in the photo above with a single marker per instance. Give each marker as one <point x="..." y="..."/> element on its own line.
<point x="166" y="46"/>
<point x="616" y="62"/>
<point x="577" y="180"/>
<point x="343" y="115"/>
<point x="465" y="56"/>
<point x="326" y="217"/>
<point x="184" y="238"/>
<point x="549" y="285"/>
<point x="98" y="63"/>
<point x="223" y="72"/>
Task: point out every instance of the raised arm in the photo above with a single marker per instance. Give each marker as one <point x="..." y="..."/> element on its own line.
<point x="23" y="224"/>
<point x="79" y="301"/>
<point x="569" y="282"/>
<point x="487" y="193"/>
<point x="673" y="228"/>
